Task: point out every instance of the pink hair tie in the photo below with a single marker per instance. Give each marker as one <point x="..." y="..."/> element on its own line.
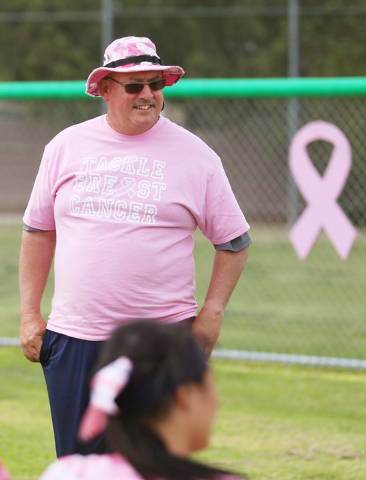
<point x="106" y="385"/>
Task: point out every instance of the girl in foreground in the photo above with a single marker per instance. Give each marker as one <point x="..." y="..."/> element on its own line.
<point x="154" y="394"/>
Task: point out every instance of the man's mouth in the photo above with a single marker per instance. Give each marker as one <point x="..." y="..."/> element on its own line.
<point x="143" y="107"/>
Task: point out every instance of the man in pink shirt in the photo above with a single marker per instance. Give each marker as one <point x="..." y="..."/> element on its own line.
<point x="123" y="193"/>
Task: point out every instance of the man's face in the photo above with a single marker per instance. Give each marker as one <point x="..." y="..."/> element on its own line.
<point x="133" y="114"/>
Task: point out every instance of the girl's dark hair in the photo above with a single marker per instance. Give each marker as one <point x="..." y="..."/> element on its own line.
<point x="157" y="352"/>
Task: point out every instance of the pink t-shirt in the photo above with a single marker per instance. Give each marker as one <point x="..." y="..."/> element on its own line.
<point x="4" y="474"/>
<point x="124" y="209"/>
<point x="91" y="467"/>
<point x="97" y="467"/>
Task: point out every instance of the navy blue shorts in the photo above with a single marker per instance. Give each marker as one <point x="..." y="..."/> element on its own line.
<point x="67" y="365"/>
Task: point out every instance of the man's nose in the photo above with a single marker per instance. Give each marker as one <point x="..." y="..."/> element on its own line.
<point x="146" y="92"/>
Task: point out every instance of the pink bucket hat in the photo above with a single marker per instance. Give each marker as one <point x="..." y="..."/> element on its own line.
<point x="131" y="54"/>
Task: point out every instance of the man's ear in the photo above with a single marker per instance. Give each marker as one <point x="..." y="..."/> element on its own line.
<point x="103" y="87"/>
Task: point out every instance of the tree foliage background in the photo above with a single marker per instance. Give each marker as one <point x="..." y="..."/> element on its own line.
<point x="222" y="46"/>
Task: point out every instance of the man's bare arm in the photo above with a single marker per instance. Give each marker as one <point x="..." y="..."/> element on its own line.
<point x="226" y="272"/>
<point x="35" y="262"/>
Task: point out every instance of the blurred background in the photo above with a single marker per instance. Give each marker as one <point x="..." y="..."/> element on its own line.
<point x="275" y="422"/>
<point x="284" y="309"/>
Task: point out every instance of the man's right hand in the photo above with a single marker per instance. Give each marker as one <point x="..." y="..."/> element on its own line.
<point x="32" y="331"/>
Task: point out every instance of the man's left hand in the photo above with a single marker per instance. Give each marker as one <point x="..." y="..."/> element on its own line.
<point x="206" y="328"/>
<point x="226" y="272"/>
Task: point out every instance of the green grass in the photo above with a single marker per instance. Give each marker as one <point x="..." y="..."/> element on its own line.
<point x="275" y="422"/>
<point x="290" y="423"/>
<point x="9" y="296"/>
<point x="281" y="304"/>
<point x="26" y="437"/>
<point x="10" y="240"/>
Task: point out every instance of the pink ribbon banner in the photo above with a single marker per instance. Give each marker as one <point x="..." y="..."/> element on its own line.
<point x="321" y="192"/>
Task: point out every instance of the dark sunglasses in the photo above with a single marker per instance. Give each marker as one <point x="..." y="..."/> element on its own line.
<point x="155" y="85"/>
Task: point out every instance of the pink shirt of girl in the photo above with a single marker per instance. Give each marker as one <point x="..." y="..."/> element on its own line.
<point x="91" y="467"/>
<point x="96" y="467"/>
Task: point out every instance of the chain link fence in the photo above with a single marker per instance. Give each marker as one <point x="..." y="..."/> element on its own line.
<point x="283" y="309"/>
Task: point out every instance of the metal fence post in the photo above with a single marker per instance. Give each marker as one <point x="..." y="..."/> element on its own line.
<point x="107" y="18"/>
<point x="293" y="103"/>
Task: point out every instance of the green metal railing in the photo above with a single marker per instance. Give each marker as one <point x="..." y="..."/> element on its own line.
<point x="228" y="87"/>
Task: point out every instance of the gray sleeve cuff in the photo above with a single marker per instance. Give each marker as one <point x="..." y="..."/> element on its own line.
<point x="31" y="229"/>
<point x="237" y="244"/>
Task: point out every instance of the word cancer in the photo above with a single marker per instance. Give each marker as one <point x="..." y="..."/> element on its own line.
<point x="132" y="212"/>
